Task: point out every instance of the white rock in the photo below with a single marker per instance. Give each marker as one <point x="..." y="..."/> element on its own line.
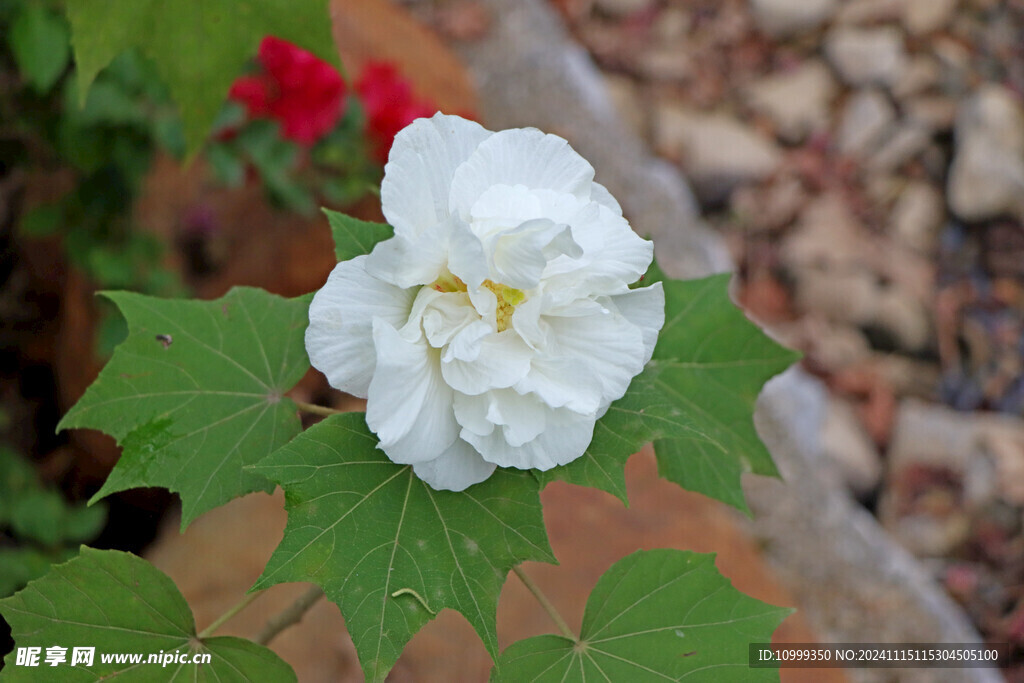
<point x="903" y="316"/>
<point x="717" y="151"/>
<point x="798" y="101"/>
<point x="870" y="11"/>
<point x="1003" y="439"/>
<point x="926" y="16"/>
<point x="626" y="98"/>
<point x="921" y="73"/>
<point x="846" y="443"/>
<point x="867" y="118"/>
<point x="906" y="142"/>
<point x="866" y="56"/>
<point x="917" y="217"/>
<point x="987" y="176"/>
<point x="828" y="236"/>
<point x="782" y="18"/>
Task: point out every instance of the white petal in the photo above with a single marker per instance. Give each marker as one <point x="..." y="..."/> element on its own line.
<point x="522" y="156"/>
<point x="471" y="413"/>
<point x="456" y="469"/>
<point x="520" y="255"/>
<point x="520" y="417"/>
<point x="408" y="262"/>
<point x="563" y="381"/>
<point x="527" y="323"/>
<point x="339" y="339"/>
<point x="610" y="345"/>
<point x="645" y="308"/>
<point x="446" y="315"/>
<point x="502" y="359"/>
<point x="565" y="438"/>
<point x="418" y="175"/>
<point x="613" y="255"/>
<point x="467" y="344"/>
<point x="410" y="405"/>
<point x="600" y="194"/>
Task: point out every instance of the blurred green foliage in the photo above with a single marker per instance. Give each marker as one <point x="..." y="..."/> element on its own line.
<point x="38" y="527"/>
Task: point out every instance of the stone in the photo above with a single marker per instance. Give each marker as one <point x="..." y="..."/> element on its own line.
<point x="866" y="56"/>
<point x="918" y="216"/>
<point x="669" y="62"/>
<point x="921" y="73"/>
<point x="1002" y="437"/>
<point x="986" y="179"/>
<point x="626" y="98"/>
<point x="797" y="101"/>
<point x="717" y="151"/>
<point x="848" y="297"/>
<point x="901" y="315"/>
<point x="828" y="236"/>
<point x="785" y="18"/>
<point x="870" y="11"/>
<point x="867" y="118"/>
<point x="845" y="442"/>
<point x="905" y="143"/>
<point x="935" y="112"/>
<point x="771" y="206"/>
<point x="927" y="16"/>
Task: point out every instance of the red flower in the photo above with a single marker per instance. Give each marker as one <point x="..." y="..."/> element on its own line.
<point x="298" y="89"/>
<point x="389" y="103"/>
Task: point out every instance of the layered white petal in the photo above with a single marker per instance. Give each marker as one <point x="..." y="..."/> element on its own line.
<point x="523" y="156"/>
<point x="339" y="339"/>
<point x="409" y="405"/>
<point x="563" y="381"/>
<point x="456" y="469"/>
<point x="565" y="437"/>
<point x="500" y="360"/>
<point x="520" y="255"/>
<point x="609" y="345"/>
<point x="645" y="308"/>
<point x="421" y="164"/>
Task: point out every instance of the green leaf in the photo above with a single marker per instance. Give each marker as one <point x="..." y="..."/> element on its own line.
<point x="695" y="400"/>
<point x="195" y="393"/>
<point x="656" y="615"/>
<point x="354" y="237"/>
<point x="390" y="550"/>
<point x="39" y="41"/>
<point x="119" y="603"/>
<point x="198" y="46"/>
<point x="41" y="220"/>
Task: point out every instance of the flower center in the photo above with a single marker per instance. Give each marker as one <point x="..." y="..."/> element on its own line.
<point x="508" y="298"/>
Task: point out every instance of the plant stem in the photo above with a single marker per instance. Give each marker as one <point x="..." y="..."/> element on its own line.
<point x="546" y="604"/>
<point x="291" y="615"/>
<point x="315" y="409"/>
<point x="222" y="619"/>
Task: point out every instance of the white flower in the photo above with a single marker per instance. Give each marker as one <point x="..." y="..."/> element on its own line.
<point x="497" y="325"/>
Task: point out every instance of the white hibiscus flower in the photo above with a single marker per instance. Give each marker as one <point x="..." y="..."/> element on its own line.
<point x="497" y="325"/>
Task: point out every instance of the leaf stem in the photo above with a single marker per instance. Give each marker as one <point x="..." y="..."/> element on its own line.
<point x="546" y="604"/>
<point x="224" y="618"/>
<point x="315" y="409"/>
<point x="290" y="616"/>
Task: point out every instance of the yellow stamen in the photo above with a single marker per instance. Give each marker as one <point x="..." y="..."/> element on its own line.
<point x="508" y="298"/>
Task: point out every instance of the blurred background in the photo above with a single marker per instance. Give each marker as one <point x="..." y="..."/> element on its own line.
<point x="860" y="163"/>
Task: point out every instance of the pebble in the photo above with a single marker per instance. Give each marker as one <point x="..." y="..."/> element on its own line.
<point x="717" y="151"/>
<point x="918" y="216"/>
<point x="921" y="73"/>
<point x="906" y="142"/>
<point x="627" y="102"/>
<point x="986" y="179"/>
<point x="866" y="56"/>
<point x="870" y="11"/>
<point x="867" y="118"/>
<point x="846" y="443"/>
<point x="797" y="101"/>
<point x="927" y="16"/>
<point x="623" y="8"/>
<point x="784" y="18"/>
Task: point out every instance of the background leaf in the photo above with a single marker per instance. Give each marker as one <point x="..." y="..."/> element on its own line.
<point x="390" y="550"/>
<point x="119" y="603"/>
<point x="695" y="400"/>
<point x="196" y="392"/>
<point x="199" y="46"/>
<point x="656" y="615"/>
<point x="354" y="237"/>
<point x="39" y="41"/>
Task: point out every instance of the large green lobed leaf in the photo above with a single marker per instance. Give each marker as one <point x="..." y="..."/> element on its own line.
<point x="390" y="550"/>
<point x="354" y="237"/>
<point x="195" y="393"/>
<point x="656" y="615"/>
<point x="198" y="46"/>
<point x="118" y="603"/>
<point x="695" y="400"/>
